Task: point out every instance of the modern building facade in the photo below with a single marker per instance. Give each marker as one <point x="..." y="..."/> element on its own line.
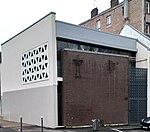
<point x="133" y="12"/>
<point x="58" y="70"/>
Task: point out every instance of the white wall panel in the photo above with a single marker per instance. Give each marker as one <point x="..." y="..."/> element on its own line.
<point x="30" y="88"/>
<point x="34" y="37"/>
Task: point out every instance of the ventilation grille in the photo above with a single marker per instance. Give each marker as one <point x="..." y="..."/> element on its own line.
<point x="35" y="65"/>
<point x="137" y="94"/>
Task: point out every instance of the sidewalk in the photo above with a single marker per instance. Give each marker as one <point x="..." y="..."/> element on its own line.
<point x="12" y="125"/>
<point x="128" y="127"/>
<point x="32" y="128"/>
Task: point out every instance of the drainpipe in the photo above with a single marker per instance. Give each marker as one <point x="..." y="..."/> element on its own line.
<point x="126" y="10"/>
<point x="148" y="84"/>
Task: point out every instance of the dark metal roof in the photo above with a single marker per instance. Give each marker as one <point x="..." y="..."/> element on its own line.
<point x="77" y="33"/>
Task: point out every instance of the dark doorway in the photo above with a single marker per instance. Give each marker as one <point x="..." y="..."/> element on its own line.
<point x="59" y="92"/>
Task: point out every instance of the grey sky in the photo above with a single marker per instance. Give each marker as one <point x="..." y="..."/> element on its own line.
<point x="16" y="15"/>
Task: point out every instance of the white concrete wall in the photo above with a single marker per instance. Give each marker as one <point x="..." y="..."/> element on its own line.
<point x="31" y="104"/>
<point x="45" y="94"/>
<point x="142" y="56"/>
<point x="143" y="61"/>
<point x="40" y="33"/>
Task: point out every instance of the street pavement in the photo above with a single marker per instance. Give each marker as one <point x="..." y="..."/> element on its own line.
<point x="6" y="130"/>
<point x="7" y="126"/>
<point x="38" y="129"/>
<point x="137" y="130"/>
<point x="103" y="129"/>
<point x="71" y="130"/>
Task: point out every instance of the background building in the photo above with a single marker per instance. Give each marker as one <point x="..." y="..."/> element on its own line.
<point x="134" y="12"/>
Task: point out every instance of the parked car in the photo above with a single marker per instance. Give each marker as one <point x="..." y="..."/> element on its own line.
<point x="145" y="123"/>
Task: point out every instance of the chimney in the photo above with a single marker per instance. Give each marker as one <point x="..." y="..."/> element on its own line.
<point x="114" y="3"/>
<point x="94" y="12"/>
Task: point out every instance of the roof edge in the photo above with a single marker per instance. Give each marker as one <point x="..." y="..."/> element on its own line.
<point x="109" y="33"/>
<point x="103" y="12"/>
<point x="98" y="53"/>
<point x="138" y="31"/>
<point x="142" y="34"/>
<point x="28" y="27"/>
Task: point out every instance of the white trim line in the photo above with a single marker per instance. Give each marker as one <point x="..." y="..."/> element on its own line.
<point x="59" y="79"/>
<point x="116" y="130"/>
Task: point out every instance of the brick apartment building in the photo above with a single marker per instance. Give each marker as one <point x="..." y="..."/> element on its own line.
<point x="134" y="12"/>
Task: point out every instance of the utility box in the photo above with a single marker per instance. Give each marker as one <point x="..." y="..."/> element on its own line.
<point x="95" y="124"/>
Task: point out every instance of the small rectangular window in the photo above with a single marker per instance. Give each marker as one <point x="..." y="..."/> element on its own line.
<point x="98" y="25"/>
<point x="147" y="6"/>
<point x="108" y="21"/>
<point x="122" y="11"/>
<point x="147" y="28"/>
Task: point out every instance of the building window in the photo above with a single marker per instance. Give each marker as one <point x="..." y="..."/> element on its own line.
<point x="147" y="28"/>
<point x="147" y="6"/>
<point x="122" y="11"/>
<point x="98" y="25"/>
<point x="108" y="21"/>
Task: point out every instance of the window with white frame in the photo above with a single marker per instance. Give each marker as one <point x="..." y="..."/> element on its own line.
<point x="98" y="25"/>
<point x="147" y="28"/>
<point x="147" y="6"/>
<point x="108" y="21"/>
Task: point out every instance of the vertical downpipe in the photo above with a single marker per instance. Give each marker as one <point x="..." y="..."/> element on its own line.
<point x="148" y="84"/>
<point x="143" y="15"/>
<point x="126" y="10"/>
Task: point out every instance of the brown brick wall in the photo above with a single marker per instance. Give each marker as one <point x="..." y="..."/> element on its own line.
<point x="135" y="18"/>
<point x="101" y="91"/>
<point x="135" y="14"/>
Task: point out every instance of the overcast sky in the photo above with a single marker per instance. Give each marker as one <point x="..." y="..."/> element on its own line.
<point x="16" y="15"/>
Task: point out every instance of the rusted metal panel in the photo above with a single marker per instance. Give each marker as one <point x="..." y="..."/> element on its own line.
<point x="94" y="86"/>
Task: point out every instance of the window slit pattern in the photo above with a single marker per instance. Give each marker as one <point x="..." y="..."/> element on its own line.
<point x="35" y="65"/>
